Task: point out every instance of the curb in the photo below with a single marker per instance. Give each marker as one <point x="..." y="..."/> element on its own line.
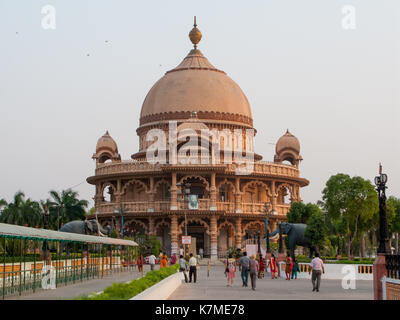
<point x="161" y="290"/>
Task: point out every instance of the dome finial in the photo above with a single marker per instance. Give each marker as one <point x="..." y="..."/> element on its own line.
<point x="195" y="34"/>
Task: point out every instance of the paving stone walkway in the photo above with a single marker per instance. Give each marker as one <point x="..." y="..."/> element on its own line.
<point x="71" y="291"/>
<point x="214" y="288"/>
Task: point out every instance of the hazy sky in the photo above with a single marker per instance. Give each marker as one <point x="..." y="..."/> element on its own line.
<point x="336" y="89"/>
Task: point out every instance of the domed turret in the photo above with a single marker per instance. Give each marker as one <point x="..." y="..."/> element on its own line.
<point x="288" y="149"/>
<point x="106" y="149"/>
<point x="196" y="85"/>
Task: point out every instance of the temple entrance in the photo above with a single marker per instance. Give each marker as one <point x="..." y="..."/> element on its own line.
<point x="199" y="239"/>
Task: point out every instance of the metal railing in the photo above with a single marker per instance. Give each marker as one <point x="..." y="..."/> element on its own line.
<point x="393" y="266"/>
<point x="28" y="264"/>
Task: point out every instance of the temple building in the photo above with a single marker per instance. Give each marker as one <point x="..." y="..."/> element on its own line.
<point x="211" y="201"/>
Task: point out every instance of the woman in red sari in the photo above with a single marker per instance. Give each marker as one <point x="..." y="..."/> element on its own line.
<point x="272" y="265"/>
<point x="140" y="263"/>
<point x="261" y="267"/>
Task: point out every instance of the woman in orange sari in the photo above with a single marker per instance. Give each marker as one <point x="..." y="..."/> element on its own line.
<point x="163" y="262"/>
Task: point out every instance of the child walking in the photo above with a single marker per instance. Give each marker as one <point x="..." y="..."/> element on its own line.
<point x="289" y="267"/>
<point x="295" y="269"/>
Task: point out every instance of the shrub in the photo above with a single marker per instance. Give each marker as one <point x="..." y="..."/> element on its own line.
<point x="125" y="291"/>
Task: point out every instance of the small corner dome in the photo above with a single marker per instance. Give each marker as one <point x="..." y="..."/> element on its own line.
<point x="287" y="141"/>
<point x="193" y="123"/>
<point x="106" y="142"/>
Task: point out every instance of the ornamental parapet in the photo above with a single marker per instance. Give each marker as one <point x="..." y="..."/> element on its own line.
<point x="139" y="167"/>
<point x="256" y="208"/>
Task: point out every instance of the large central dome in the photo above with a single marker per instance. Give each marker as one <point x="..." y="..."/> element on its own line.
<point x="196" y="85"/>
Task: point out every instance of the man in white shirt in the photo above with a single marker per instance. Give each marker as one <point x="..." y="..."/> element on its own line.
<point x="152" y="261"/>
<point x="192" y="268"/>
<point x="317" y="266"/>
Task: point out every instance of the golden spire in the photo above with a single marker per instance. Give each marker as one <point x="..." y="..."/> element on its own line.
<point x="195" y="34"/>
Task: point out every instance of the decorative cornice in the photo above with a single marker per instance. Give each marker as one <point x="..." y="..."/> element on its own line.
<point x="183" y="115"/>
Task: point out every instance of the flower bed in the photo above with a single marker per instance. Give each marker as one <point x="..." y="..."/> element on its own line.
<point x="125" y="291"/>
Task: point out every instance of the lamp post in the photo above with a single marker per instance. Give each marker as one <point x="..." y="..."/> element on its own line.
<point x="118" y="211"/>
<point x="59" y="222"/>
<point x="267" y="227"/>
<point x="280" y="238"/>
<point x="384" y="244"/>
<point x="187" y="192"/>
<point x="46" y="215"/>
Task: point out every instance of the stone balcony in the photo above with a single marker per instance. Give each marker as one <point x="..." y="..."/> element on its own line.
<point x="203" y="205"/>
<point x="133" y="167"/>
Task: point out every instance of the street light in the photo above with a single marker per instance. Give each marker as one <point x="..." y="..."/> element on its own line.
<point x="267" y="227"/>
<point x="384" y="245"/>
<point x="280" y="238"/>
<point x="46" y="215"/>
<point x="119" y="211"/>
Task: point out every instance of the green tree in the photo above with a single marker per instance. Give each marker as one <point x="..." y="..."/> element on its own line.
<point x="67" y="205"/>
<point x="22" y="212"/>
<point x="300" y="212"/>
<point x="393" y="204"/>
<point x="351" y="200"/>
<point x="316" y="230"/>
<point x="297" y="213"/>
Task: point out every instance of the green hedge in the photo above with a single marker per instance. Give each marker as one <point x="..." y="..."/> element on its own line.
<point x="125" y="291"/>
<point x="303" y="259"/>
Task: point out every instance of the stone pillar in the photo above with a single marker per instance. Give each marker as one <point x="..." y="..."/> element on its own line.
<point x="230" y="238"/>
<point x="151" y="196"/>
<point x="378" y="273"/>
<point x="174" y="195"/>
<point x="214" y="237"/>
<point x="152" y="231"/>
<point x="98" y="197"/>
<point x="238" y="233"/>
<point x="118" y="194"/>
<point x="238" y="203"/>
<point x="273" y="198"/>
<point x="213" y="193"/>
<point x="174" y="235"/>
<point x="117" y="225"/>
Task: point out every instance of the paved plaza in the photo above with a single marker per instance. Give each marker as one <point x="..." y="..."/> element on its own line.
<point x="214" y="288"/>
<point x="72" y="291"/>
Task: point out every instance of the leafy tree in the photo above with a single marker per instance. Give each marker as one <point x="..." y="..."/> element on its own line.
<point x="352" y="200"/>
<point x="300" y="212"/>
<point x="67" y="205"/>
<point x="393" y="204"/>
<point x="297" y="213"/>
<point x="90" y="211"/>
<point x="22" y="212"/>
<point x="316" y="230"/>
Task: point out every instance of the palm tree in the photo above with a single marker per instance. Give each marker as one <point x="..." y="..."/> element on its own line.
<point x="21" y="211"/>
<point x="67" y="205"/>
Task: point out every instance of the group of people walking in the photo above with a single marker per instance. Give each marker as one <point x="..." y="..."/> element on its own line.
<point x="291" y="268"/>
<point x="255" y="268"/>
<point x="163" y="258"/>
<point x="192" y="264"/>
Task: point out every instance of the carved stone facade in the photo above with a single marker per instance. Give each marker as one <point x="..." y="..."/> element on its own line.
<point x="153" y="198"/>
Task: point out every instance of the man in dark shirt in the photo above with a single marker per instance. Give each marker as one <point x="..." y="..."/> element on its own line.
<point x="253" y="266"/>
<point x="244" y="266"/>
